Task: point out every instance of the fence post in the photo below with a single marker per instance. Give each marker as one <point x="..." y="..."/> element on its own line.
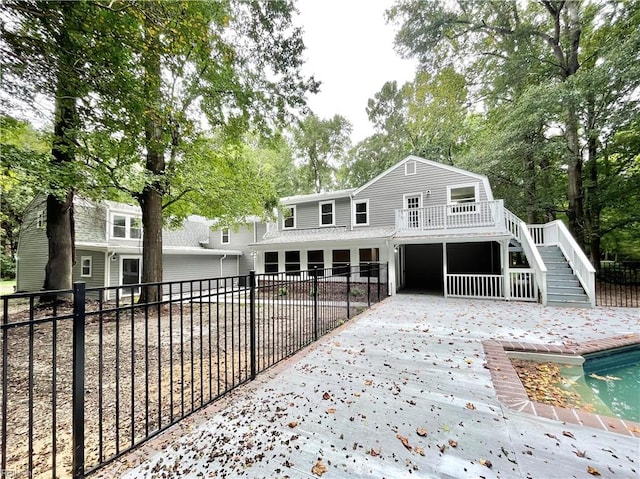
<point x="380" y="273"/>
<point x="77" y="420"/>
<point x="252" y="321"/>
<point x="348" y="291"/>
<point x="315" y="303"/>
<point x="369" y="285"/>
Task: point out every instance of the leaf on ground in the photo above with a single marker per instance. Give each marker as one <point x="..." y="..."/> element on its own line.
<point x="453" y="443"/>
<point x="551" y="436"/>
<point x="470" y="406"/>
<point x="419" y="450"/>
<point x="421" y="432"/>
<point x="593" y="471"/>
<point x="486" y="463"/>
<point x="374" y="452"/>
<point x="293" y="424"/>
<point x="404" y="441"/>
<point x="319" y="468"/>
<point x="368" y="382"/>
<point x="580" y="453"/>
<point x="331" y="410"/>
<point x="441" y="447"/>
<point x="568" y="434"/>
<point x="326" y="396"/>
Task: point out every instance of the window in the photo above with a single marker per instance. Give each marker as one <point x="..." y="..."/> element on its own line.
<point x="271" y="262"/>
<point x="369" y="262"/>
<point x="327" y="213"/>
<point x="292" y="263"/>
<point x="315" y="259"/>
<point x="361" y="212"/>
<point x="127" y="227"/>
<point x="410" y="168"/>
<point x="289" y="217"/>
<point x="225" y="239"/>
<point x="341" y="259"/>
<point x="41" y="222"/>
<point x="459" y="195"/>
<point x="85" y="266"/>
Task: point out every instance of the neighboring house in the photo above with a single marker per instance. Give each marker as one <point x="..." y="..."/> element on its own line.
<point x="109" y="247"/>
<point x="438" y="228"/>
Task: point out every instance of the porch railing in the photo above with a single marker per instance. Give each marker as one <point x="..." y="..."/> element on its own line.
<point x="486" y="286"/>
<point x="86" y="380"/>
<point x="483" y="214"/>
<point x="523" y="285"/>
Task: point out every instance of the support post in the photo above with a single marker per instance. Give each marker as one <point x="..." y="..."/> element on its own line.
<point x="77" y="420"/>
<point x="315" y="303"/>
<point x="348" y="291"/>
<point x="369" y="285"/>
<point x="252" y="321"/>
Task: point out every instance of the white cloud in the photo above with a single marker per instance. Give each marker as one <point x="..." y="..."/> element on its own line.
<point x="350" y="50"/>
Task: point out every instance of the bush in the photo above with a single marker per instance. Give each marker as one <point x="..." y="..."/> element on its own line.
<point x="7" y="267"/>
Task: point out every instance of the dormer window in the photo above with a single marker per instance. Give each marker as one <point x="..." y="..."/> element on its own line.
<point x="126" y="227"/>
<point x="327" y="213"/>
<point x="289" y="217"/>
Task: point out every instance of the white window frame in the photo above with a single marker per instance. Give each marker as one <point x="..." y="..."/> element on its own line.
<point x="293" y="214"/>
<point x="355" y="212"/>
<point x="476" y="192"/>
<point x="333" y="213"/>
<point x="407" y="171"/>
<point x="41" y="221"/>
<point x="122" y="258"/>
<point x="128" y="221"/>
<point x="222" y="235"/>
<point x="90" y="265"/>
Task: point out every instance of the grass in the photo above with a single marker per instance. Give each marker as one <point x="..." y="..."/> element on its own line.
<point x="7" y="286"/>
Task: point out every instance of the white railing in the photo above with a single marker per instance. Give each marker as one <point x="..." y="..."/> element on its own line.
<point x="486" y="286"/>
<point x="537" y="233"/>
<point x="512" y="223"/>
<point x="535" y="260"/>
<point x="522" y="285"/>
<point x="482" y="214"/>
<point x="556" y="233"/>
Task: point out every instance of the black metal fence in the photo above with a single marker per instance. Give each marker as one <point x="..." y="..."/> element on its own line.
<point x="93" y="375"/>
<point x="618" y="285"/>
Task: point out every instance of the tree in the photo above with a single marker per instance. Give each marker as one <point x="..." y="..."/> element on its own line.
<point x="235" y="64"/>
<point x="320" y="147"/>
<point x="41" y="47"/>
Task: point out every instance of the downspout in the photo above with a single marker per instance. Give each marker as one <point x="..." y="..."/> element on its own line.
<point x="221" y="261"/>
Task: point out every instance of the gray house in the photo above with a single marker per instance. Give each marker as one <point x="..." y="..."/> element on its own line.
<point x="439" y="229"/>
<point x="109" y="246"/>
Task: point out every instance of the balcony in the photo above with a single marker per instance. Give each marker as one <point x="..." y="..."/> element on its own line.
<point x="482" y="216"/>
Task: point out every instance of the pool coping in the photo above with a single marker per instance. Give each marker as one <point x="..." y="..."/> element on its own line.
<point x="511" y="392"/>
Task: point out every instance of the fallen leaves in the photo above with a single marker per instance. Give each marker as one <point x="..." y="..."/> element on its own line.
<point x="404" y="441"/>
<point x="470" y="406"/>
<point x="486" y="463"/>
<point x="331" y="410"/>
<point x="453" y="443"/>
<point x="326" y="396"/>
<point x="593" y="471"/>
<point x="568" y="434"/>
<point x="292" y="424"/>
<point x="319" y="468"/>
<point x="421" y="432"/>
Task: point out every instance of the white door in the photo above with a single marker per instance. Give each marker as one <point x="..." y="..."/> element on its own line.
<point x="413" y="203"/>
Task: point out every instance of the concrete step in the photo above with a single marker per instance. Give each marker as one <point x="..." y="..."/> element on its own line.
<point x="567" y="298"/>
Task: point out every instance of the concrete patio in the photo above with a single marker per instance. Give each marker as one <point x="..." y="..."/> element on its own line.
<point x="400" y="391"/>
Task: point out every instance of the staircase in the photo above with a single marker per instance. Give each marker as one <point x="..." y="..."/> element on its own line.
<point x="563" y="287"/>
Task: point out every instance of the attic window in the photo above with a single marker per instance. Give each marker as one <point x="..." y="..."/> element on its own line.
<point x="224" y="236"/>
<point x="410" y="168"/>
<point x="42" y="220"/>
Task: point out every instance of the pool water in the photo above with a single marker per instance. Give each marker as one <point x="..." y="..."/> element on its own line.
<point x="609" y="381"/>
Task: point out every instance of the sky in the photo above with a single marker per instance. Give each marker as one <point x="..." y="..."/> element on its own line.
<point x="350" y="50"/>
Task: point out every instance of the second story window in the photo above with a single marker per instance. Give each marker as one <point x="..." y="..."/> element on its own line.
<point x="126" y="227"/>
<point x="225" y="238"/>
<point x="327" y="213"/>
<point x="289" y="217"/>
<point x="361" y="212"/>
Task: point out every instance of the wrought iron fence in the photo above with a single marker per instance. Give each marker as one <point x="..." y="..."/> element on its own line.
<point x="618" y="285"/>
<point x="94" y="374"/>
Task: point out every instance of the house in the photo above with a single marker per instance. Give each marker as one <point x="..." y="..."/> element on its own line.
<point x="438" y="228"/>
<point x="109" y="246"/>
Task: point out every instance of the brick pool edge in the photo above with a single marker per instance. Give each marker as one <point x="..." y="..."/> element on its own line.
<point x="511" y="392"/>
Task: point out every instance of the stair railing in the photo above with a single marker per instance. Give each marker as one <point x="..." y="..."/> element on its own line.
<point x="535" y="260"/>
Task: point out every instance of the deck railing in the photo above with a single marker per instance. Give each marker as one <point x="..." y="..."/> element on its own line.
<point x="482" y="214"/>
<point x="486" y="286"/>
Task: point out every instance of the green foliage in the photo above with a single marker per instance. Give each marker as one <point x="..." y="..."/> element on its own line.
<point x="320" y="147"/>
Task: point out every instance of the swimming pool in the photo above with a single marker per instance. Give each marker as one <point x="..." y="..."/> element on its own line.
<point x="609" y="381"/>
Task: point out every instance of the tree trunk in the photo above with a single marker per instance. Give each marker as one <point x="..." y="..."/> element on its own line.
<point x="574" y="177"/>
<point x="592" y="202"/>
<point x="530" y="194"/>
<point x="60" y="221"/>
<point x="151" y="197"/>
